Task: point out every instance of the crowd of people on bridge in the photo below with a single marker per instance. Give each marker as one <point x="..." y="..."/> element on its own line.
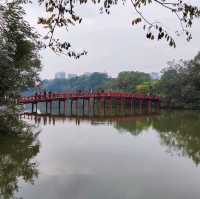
<point x="49" y="94"/>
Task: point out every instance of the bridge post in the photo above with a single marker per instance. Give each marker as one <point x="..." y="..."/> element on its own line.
<point x="36" y="107"/>
<point x="140" y="105"/>
<point x="64" y="104"/>
<point x="32" y="107"/>
<point x="101" y="104"/>
<point x="97" y="105"/>
<point x="46" y="107"/>
<point x="50" y="107"/>
<point x="88" y="106"/>
<point x="93" y="106"/>
<point x="125" y="105"/>
<point x="131" y="100"/>
<point x="130" y="105"/>
<point x="104" y="105"/>
<point x="149" y="106"/>
<point x="76" y="107"/>
<point x="83" y="107"/>
<point x="121" y="105"/>
<point x="110" y="105"/>
<point x="158" y="102"/>
<point x="71" y="106"/>
<point x="59" y="107"/>
<point x="133" y="104"/>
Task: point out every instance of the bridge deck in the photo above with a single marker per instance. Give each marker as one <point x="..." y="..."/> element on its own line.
<point x="84" y="95"/>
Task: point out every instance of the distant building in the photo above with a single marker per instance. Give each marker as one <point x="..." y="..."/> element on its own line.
<point x="155" y="76"/>
<point x="60" y="75"/>
<point x="71" y="76"/>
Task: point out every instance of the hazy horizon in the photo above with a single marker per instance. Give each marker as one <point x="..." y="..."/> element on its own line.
<point x="89" y="73"/>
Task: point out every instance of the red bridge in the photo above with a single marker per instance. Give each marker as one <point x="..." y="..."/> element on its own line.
<point x="102" y="97"/>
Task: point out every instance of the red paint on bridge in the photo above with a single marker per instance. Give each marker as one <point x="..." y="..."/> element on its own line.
<point x="85" y="95"/>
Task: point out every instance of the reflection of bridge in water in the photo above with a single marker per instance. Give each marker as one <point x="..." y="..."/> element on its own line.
<point x="47" y="119"/>
<point x="86" y="103"/>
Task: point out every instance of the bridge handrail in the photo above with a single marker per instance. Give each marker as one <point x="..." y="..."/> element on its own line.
<point x="66" y="95"/>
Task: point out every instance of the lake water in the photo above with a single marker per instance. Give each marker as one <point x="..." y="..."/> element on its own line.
<point x="137" y="157"/>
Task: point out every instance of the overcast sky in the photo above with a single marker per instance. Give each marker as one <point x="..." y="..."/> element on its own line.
<point x="114" y="45"/>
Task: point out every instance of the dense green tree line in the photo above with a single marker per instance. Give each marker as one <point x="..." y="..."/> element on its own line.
<point x="179" y="85"/>
<point x="83" y="82"/>
<point x="127" y="81"/>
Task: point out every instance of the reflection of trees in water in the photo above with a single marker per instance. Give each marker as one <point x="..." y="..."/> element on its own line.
<point x="179" y="130"/>
<point x="134" y="125"/>
<point x="16" y="154"/>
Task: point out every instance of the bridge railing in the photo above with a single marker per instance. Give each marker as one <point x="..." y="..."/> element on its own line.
<point x="67" y="95"/>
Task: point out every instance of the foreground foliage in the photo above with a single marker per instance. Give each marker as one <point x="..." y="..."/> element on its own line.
<point x="19" y="59"/>
<point x="66" y="13"/>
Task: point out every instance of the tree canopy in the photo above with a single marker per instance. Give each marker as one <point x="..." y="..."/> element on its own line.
<point x="19" y="60"/>
<point x="180" y="83"/>
<point x="19" y="63"/>
<point x="127" y="81"/>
